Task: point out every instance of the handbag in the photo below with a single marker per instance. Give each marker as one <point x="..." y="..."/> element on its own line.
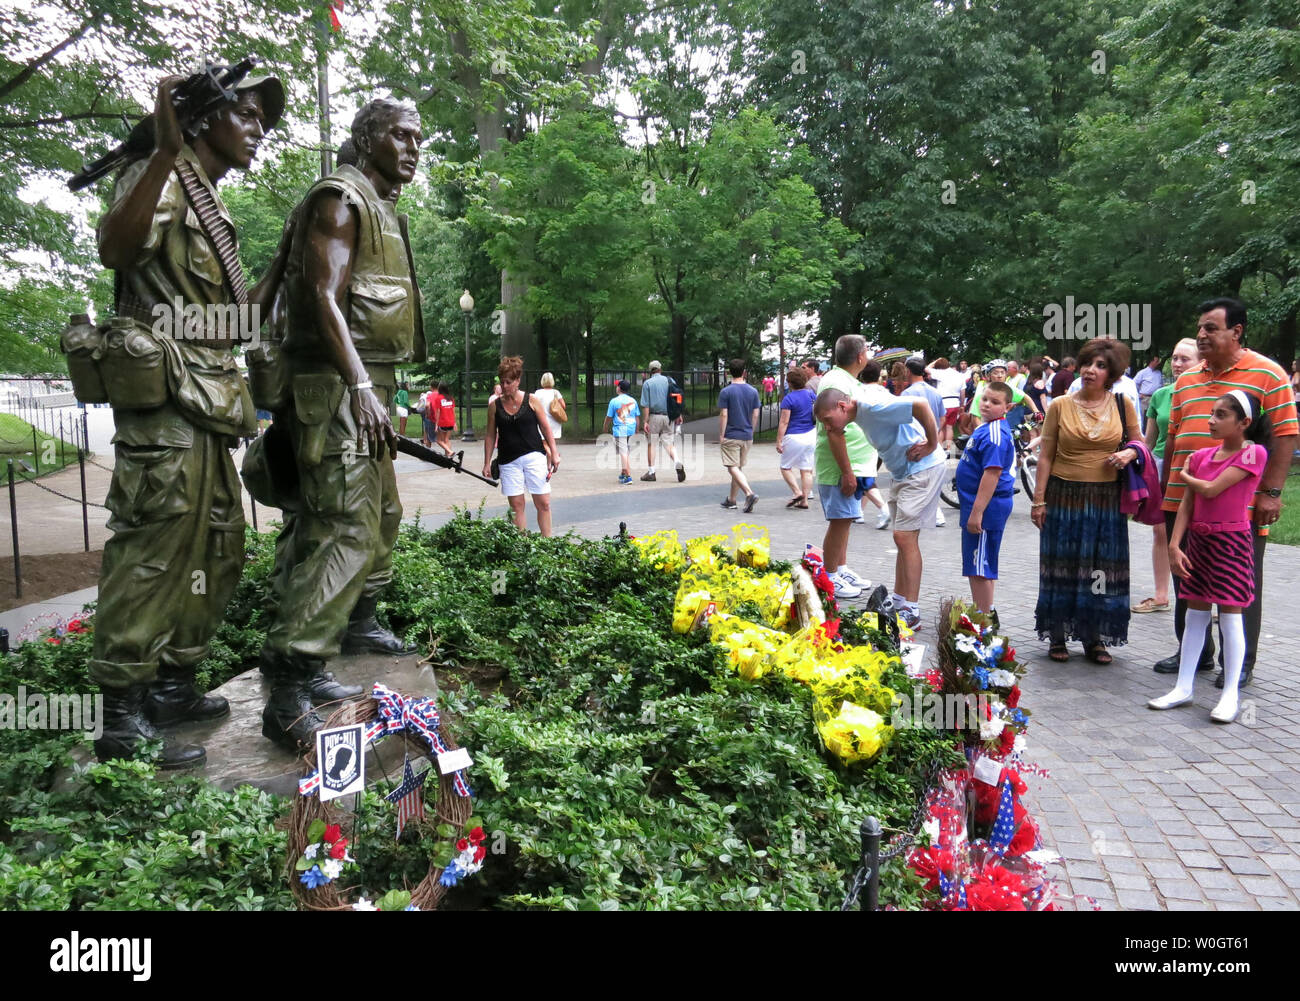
<point x="556" y="409"/>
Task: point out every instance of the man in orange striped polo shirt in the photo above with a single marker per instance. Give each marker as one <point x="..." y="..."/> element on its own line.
<point x="1227" y="364"/>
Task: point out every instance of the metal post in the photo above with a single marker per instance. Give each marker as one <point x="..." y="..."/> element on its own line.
<point x="13" y="525"/>
<point x="36" y="453"/>
<point x="85" y="510"/>
<point x="468" y="434"/>
<point x="871" y="833"/>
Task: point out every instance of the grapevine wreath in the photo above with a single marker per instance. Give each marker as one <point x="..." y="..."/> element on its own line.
<point x="452" y="847"/>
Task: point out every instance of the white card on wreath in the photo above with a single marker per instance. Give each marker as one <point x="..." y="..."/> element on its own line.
<point x="988" y="771"/>
<point x="453" y="761"/>
<point x="913" y="657"/>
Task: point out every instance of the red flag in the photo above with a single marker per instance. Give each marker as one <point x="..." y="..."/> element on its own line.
<point x="335" y="24"/>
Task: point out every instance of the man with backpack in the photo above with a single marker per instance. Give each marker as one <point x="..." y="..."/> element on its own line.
<point x="661" y="412"/>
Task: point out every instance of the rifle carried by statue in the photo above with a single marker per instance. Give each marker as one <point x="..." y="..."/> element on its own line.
<point x="194" y="98"/>
<point x="413" y="448"/>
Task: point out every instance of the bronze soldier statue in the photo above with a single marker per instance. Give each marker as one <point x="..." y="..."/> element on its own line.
<point x="179" y="405"/>
<point x="353" y="314"/>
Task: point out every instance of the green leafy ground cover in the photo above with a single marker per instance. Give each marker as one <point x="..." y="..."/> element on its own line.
<point x="618" y="765"/>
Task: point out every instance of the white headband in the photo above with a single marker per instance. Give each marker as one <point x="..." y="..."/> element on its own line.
<point x="1244" y="400"/>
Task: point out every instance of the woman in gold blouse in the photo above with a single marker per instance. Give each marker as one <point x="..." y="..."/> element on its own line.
<point x="1083" y="542"/>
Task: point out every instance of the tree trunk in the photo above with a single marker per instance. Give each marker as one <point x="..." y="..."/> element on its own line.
<point x="679" y="345"/>
<point x="1287" y="348"/>
<point x="543" y="345"/>
<point x="591" y="367"/>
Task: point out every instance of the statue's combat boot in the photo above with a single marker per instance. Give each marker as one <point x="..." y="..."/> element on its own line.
<point x="321" y="684"/>
<point x="173" y="699"/>
<point x="366" y="635"/>
<point x="290" y="719"/>
<point x="126" y="727"/>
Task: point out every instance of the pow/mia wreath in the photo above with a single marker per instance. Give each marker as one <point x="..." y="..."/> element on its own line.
<point x="319" y="831"/>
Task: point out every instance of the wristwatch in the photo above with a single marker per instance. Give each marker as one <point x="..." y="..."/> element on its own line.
<point x="1272" y="492"/>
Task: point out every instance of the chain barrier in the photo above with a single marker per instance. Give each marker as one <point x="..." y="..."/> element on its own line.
<point x="863" y="876"/>
<point x="51" y="490"/>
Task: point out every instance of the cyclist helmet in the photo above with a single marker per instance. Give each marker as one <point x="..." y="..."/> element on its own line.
<point x="995" y="363"/>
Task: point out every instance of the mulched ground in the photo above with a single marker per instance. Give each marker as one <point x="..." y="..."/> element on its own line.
<point x="48" y="576"/>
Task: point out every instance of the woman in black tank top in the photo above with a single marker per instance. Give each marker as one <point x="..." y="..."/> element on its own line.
<point x="518" y="429"/>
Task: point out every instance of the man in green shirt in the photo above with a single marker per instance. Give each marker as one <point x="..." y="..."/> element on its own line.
<point x="402" y="403"/>
<point x="839" y="460"/>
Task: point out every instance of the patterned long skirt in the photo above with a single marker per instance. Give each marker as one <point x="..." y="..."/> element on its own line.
<point x="1083" y="564"/>
<point x="1223" y="566"/>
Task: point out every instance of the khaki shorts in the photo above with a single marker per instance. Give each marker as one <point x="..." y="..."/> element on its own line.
<point x="914" y="500"/>
<point x="735" y="452"/>
<point x="659" y="424"/>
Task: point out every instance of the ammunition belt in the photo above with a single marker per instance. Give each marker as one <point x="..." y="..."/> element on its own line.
<point x="220" y="232"/>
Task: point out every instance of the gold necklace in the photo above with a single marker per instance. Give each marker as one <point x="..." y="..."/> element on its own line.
<point x="1091" y="418"/>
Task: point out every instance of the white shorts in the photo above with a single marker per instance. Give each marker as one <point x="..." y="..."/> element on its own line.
<point x="797" y="450"/>
<point x="403" y="412"/>
<point x="914" y="501"/>
<point x="527" y="474"/>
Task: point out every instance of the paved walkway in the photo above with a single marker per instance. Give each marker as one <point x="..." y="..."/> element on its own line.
<point x="1155" y="811"/>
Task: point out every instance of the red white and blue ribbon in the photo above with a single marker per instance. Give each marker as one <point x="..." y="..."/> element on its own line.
<point x="396" y="714"/>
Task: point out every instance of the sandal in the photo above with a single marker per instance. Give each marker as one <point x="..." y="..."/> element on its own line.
<point x="1096" y="652"/>
<point x="794" y="501"/>
<point x="1058" y="652"/>
<point x="802" y="505"/>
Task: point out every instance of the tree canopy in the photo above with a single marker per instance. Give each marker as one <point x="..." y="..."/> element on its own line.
<point x="613" y="179"/>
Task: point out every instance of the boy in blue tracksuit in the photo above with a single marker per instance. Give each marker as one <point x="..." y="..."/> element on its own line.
<point x="985" y="486"/>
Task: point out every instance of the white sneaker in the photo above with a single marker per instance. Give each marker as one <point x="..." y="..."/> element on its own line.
<point x="843" y="589"/>
<point x="849" y="577"/>
<point x="882" y="519"/>
<point x="938" y="519"/>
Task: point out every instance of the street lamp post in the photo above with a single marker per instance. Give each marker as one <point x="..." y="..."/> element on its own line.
<point x="467" y="307"/>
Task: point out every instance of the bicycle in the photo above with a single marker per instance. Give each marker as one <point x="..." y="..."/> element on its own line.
<point x="1026" y="459"/>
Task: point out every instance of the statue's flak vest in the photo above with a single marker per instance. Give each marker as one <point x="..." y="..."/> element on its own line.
<point x="383" y="310"/>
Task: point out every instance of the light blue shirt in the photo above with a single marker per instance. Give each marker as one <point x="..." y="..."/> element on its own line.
<point x="654" y="394"/>
<point x="892" y="429"/>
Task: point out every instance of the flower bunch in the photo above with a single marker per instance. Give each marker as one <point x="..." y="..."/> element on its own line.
<point x="751" y="648"/>
<point x="470" y="854"/>
<point x="705" y="551"/>
<point x="326" y="858"/>
<point x="661" y="550"/>
<point x="976" y="661"/>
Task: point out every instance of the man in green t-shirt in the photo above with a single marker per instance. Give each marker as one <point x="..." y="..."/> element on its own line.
<point x="996" y="371"/>
<point x="402" y="403"/>
<point x="839" y="460"/>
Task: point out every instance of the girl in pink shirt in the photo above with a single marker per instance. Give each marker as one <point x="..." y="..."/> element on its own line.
<point x="1212" y="547"/>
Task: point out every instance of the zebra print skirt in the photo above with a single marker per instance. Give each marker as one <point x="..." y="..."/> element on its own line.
<point x="1222" y="566"/>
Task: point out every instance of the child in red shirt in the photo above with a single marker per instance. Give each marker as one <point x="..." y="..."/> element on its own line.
<point x="446" y="417"/>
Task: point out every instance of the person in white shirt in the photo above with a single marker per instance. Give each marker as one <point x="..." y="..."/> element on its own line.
<point x="548" y="394"/>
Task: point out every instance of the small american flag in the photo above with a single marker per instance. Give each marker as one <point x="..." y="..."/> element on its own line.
<point x="409" y="796"/>
<point x="1004" y="826"/>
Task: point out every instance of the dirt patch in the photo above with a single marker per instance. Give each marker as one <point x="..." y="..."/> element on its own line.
<point x="48" y="576"/>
